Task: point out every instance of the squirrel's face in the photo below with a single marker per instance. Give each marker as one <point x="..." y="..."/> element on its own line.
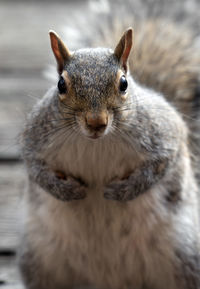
<point x="92" y="85"/>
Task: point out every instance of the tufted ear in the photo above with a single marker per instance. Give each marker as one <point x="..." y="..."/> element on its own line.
<point x="123" y="48"/>
<point x="61" y="52"/>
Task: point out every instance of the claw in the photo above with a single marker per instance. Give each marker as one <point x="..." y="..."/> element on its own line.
<point x="60" y="175"/>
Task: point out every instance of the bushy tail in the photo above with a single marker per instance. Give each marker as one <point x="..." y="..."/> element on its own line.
<point x="166" y="58"/>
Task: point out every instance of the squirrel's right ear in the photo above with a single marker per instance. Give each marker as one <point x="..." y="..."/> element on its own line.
<point x="123" y="48"/>
<point x="61" y="52"/>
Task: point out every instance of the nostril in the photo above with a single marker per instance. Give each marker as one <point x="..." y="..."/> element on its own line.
<point x="96" y="121"/>
<point x="97" y="127"/>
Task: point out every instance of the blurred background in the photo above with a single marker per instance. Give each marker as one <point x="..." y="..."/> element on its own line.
<point x="27" y="70"/>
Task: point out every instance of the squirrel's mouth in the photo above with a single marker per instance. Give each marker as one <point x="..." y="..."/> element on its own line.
<point x="95" y="133"/>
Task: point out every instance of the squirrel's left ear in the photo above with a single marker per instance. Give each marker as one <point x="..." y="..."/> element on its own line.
<point x="61" y="52"/>
<point x="123" y="48"/>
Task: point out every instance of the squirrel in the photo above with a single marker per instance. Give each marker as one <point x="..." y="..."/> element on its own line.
<point x="112" y="196"/>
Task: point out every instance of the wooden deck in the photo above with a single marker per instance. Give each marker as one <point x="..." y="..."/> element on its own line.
<point x="24" y="55"/>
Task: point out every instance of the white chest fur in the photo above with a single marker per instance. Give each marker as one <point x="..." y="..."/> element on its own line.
<point x="109" y="243"/>
<point x="96" y="162"/>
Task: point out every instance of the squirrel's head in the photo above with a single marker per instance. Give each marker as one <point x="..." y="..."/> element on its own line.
<point x="93" y="83"/>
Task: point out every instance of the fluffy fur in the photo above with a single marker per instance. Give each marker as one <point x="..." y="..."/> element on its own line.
<point x="126" y="213"/>
<point x="149" y="242"/>
<point x="165" y="58"/>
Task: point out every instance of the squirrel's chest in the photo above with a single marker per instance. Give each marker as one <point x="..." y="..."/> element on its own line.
<point x="109" y="243"/>
<point x="96" y="163"/>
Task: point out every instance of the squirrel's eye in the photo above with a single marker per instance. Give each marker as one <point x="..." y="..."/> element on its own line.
<point x="123" y="84"/>
<point x="61" y="85"/>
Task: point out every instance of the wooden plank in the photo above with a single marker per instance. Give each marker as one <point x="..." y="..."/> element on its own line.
<point x="9" y="274"/>
<point x="12" y="185"/>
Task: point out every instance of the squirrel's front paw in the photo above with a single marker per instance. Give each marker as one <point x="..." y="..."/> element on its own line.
<point x="120" y="190"/>
<point x="67" y="188"/>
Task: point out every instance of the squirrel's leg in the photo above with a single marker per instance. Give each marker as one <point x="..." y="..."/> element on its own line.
<point x="61" y="187"/>
<point x="138" y="182"/>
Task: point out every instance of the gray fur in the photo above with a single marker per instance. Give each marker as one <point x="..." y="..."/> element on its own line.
<point x="141" y="159"/>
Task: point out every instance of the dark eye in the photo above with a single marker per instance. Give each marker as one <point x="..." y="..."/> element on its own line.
<point x="123" y="84"/>
<point x="61" y="85"/>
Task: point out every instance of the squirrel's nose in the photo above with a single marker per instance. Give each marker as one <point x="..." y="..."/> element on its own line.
<point x="96" y="121"/>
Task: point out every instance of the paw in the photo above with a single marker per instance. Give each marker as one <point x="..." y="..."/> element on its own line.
<point x="67" y="188"/>
<point x="78" y="187"/>
<point x="120" y="190"/>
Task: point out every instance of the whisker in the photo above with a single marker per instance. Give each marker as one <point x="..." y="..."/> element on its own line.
<point x="125" y="135"/>
<point x="54" y="131"/>
<point x="60" y="132"/>
<point x="67" y="120"/>
<point x="130" y="137"/>
<point x="141" y="101"/>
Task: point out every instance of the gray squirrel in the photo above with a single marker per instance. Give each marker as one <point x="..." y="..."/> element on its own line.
<point x="112" y="197"/>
